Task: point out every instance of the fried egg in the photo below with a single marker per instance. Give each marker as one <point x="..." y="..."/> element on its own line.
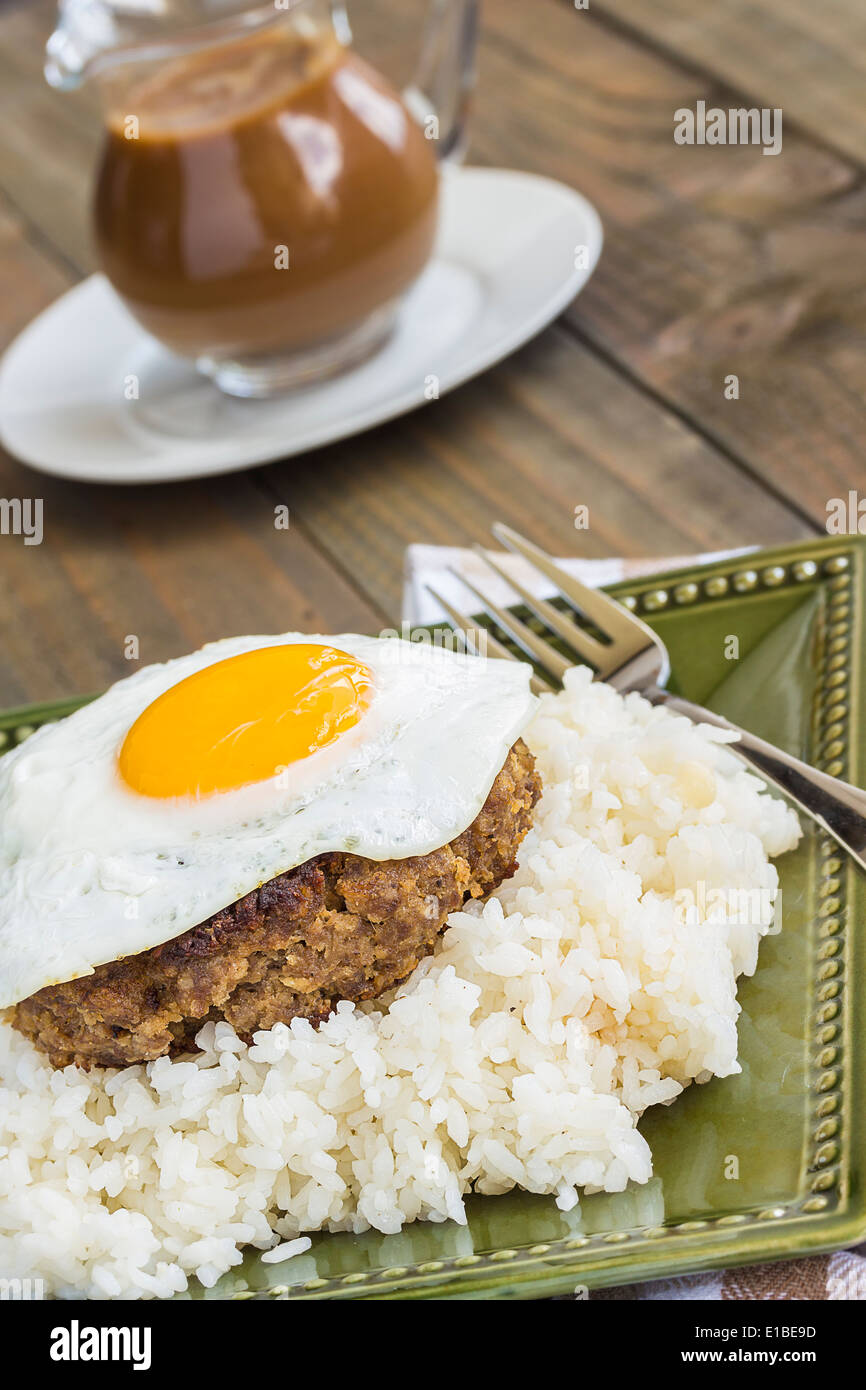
<point x="191" y="783"/>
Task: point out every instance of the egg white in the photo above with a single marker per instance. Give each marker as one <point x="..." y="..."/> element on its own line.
<point x="90" y="871"/>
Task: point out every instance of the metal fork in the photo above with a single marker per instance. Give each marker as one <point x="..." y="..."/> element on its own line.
<point x="630" y="656"/>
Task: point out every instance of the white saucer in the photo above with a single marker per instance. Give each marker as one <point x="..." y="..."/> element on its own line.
<point x="505" y="265"/>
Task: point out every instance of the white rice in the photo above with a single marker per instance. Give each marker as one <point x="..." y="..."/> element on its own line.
<point x="600" y="980"/>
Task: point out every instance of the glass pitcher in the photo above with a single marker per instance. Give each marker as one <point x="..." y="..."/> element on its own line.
<point x="264" y="198"/>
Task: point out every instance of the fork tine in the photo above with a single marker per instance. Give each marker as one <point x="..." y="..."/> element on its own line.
<point x="587" y="647"/>
<point x="466" y="630"/>
<point x="609" y="617"/>
<point x="547" y="657"/>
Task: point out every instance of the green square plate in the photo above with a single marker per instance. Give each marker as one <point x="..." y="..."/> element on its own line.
<point x="764" y="1165"/>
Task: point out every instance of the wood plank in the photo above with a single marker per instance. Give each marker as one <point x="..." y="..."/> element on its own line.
<point x="28" y="276"/>
<point x="552" y="428"/>
<point x="717" y="260"/>
<point x="548" y="430"/>
<point x="175" y="569"/>
<point x="174" y="566"/>
<point x="809" y="59"/>
<point x="49" y="141"/>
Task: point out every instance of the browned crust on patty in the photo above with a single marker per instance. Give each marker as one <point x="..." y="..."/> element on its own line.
<point x="337" y="927"/>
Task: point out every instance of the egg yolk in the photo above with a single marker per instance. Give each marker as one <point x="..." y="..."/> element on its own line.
<point x="244" y="720"/>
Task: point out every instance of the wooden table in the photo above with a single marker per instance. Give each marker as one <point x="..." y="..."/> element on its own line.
<point x="717" y="261"/>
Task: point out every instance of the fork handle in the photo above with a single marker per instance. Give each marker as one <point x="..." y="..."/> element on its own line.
<point x="835" y="805"/>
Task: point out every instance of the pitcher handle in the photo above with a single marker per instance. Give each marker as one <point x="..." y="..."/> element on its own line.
<point x="440" y="91"/>
<point x="439" y="95"/>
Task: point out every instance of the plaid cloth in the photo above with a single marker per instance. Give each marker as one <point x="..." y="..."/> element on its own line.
<point x="821" y="1277"/>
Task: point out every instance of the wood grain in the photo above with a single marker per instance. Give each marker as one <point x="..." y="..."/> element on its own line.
<point x="49" y="140"/>
<point x="808" y="58"/>
<point x="548" y="430"/>
<point x="717" y="260"/>
<point x="174" y="566"/>
<point x="618" y="408"/>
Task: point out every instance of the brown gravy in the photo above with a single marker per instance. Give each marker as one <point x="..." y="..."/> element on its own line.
<point x="243" y="158"/>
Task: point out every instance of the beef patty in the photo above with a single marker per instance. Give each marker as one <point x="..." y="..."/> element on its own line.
<point x="336" y="927"/>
